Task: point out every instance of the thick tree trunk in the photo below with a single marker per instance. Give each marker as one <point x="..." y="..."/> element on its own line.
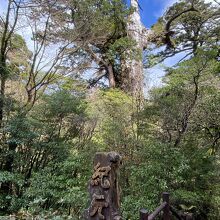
<point x="111" y="76"/>
<point x="132" y="76"/>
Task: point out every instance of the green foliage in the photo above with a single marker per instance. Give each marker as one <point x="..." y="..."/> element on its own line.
<point x="120" y="47"/>
<point x="113" y="110"/>
<point x="89" y="12"/>
<point x="65" y="129"/>
<point x="182" y="111"/>
<point x="42" y="142"/>
<point x="171" y="144"/>
<point x="60" y="186"/>
<point x="186" y="27"/>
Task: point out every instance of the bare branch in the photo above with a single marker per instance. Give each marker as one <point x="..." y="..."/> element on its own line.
<point x="15" y="22"/>
<point x="96" y="80"/>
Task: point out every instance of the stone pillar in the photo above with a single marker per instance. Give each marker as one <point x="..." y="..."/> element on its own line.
<point x="104" y="188"/>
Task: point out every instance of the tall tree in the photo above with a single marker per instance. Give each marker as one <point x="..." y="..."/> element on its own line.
<point x="101" y="31"/>
<point x="132" y="65"/>
<point x="7" y="29"/>
<point x="185" y="27"/>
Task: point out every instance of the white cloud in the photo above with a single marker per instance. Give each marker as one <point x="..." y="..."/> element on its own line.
<point x="210" y="1"/>
<point x="3" y="7"/>
<point x="153" y="78"/>
<point x="164" y="5"/>
<point x="170" y="2"/>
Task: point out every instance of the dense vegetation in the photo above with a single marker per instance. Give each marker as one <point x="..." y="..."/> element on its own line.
<point x="54" y="115"/>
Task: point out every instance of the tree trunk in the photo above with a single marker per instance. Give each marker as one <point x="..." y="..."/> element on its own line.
<point x="2" y="93"/>
<point x="111" y="76"/>
<point x="132" y="67"/>
<point x="6" y="187"/>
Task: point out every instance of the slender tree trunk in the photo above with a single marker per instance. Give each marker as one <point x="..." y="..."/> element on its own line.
<point x="2" y="93"/>
<point x="185" y="120"/>
<point x="6" y="187"/>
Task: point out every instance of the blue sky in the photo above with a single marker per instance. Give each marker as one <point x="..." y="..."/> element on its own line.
<point x="151" y="10"/>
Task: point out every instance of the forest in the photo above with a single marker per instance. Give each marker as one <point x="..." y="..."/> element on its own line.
<point x="73" y="82"/>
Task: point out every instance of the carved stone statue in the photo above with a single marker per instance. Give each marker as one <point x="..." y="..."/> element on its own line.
<point x="104" y="189"/>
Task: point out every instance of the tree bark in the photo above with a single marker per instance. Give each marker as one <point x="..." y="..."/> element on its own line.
<point x="132" y="74"/>
<point x="2" y="95"/>
<point x="111" y="76"/>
